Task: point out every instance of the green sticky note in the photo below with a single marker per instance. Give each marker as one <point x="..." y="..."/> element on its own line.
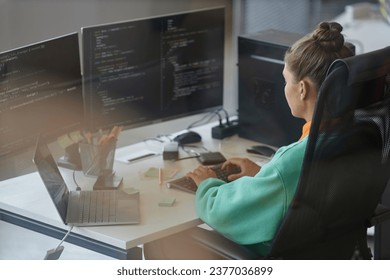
<point x="167" y="201"/>
<point x="130" y="190"/>
<point x="152" y="172"/>
<point x="168" y="173"/>
<point x="64" y="141"/>
<point x="76" y="136"/>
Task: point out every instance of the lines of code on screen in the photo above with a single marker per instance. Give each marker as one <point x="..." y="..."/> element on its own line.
<point x="153" y="69"/>
<point x="40" y="92"/>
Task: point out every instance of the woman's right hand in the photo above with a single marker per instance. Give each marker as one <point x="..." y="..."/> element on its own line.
<point x="247" y="167"/>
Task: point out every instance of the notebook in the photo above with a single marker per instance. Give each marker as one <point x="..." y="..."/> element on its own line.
<point x="84" y="208"/>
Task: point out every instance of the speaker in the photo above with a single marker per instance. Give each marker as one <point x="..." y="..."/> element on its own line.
<point x="264" y="115"/>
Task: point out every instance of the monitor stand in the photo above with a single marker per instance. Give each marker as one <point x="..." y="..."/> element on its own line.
<point x="71" y="159"/>
<point x="107" y="181"/>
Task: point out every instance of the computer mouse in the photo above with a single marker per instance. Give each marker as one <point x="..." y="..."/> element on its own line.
<point x="188" y="138"/>
<point x="261" y="150"/>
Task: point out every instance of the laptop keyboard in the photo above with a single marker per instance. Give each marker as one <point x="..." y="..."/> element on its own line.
<point x="97" y="206"/>
<point x="188" y="185"/>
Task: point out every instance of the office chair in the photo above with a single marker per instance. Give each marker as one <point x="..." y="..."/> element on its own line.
<point x="345" y="170"/>
<point x="382" y="228"/>
<point x="346" y="164"/>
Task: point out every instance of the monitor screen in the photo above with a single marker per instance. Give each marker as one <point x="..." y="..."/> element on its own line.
<point x="40" y="92"/>
<point x="149" y="70"/>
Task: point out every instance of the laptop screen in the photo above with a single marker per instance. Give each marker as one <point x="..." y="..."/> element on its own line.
<point x="52" y="178"/>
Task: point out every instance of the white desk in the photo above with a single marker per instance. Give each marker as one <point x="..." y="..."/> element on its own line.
<point x="24" y="201"/>
<point x="368" y="33"/>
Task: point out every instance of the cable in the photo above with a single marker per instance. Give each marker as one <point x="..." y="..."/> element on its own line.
<point x="198" y="121"/>
<point x="55" y="253"/>
<point x="184" y="147"/>
<point x="192" y="153"/>
<point x="65" y="236"/>
<point x="227" y="116"/>
<point x="210" y="115"/>
<point x="157" y="138"/>
<point x="74" y="180"/>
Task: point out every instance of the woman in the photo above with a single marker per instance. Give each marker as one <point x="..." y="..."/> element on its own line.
<point x="250" y="208"/>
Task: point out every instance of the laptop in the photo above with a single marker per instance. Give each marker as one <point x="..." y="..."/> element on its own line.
<point x="84" y="208"/>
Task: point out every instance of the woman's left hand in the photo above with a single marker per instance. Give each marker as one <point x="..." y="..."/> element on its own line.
<point x="201" y="173"/>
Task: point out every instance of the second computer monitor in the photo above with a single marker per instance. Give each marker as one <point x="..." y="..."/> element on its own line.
<point x="149" y="70"/>
<point x="40" y="92"/>
<point x="264" y="114"/>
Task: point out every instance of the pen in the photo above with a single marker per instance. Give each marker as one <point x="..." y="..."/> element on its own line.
<point x="140" y="157"/>
<point x="160" y="177"/>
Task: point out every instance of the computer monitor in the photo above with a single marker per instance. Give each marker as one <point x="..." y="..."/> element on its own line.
<point x="40" y="92"/>
<point x="155" y="69"/>
<point x="264" y="114"/>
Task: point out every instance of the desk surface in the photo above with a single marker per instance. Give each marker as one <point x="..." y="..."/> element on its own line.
<point x="368" y="33"/>
<point x="27" y="197"/>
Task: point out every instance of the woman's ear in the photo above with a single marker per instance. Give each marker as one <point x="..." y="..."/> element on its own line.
<point x="302" y="89"/>
<point x="305" y="88"/>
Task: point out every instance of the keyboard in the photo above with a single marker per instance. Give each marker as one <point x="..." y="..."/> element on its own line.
<point x="96" y="206"/>
<point x="188" y="185"/>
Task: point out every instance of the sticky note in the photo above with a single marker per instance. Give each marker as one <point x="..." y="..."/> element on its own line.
<point x="153" y="172"/>
<point x="167" y="201"/>
<point x="130" y="190"/>
<point x="64" y="141"/>
<point x="76" y="136"/>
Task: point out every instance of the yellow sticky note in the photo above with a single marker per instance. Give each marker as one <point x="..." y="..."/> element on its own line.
<point x="76" y="136"/>
<point x="64" y="141"/>
<point x="153" y="172"/>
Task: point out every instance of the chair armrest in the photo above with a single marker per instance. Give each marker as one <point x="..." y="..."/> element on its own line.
<point x="382" y="213"/>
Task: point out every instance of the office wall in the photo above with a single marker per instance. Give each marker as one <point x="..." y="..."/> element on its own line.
<point x="27" y="21"/>
<point x="298" y="16"/>
<point x="24" y="22"/>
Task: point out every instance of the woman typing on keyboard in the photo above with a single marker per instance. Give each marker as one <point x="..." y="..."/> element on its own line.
<point x="250" y="207"/>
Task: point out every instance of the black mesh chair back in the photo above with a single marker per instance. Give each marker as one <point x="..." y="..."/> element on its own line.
<point x="346" y="165"/>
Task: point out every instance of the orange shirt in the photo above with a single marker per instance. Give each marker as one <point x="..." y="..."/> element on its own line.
<point x="305" y="130"/>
